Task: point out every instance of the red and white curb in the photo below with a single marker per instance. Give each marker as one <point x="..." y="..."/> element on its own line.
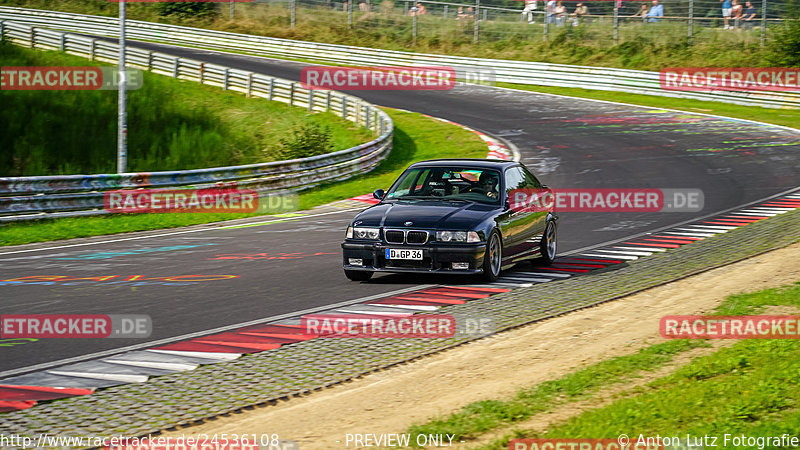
<point x="83" y="378"/>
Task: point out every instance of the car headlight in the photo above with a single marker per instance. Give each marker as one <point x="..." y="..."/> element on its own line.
<point x="363" y="233"/>
<point x="457" y="236"/>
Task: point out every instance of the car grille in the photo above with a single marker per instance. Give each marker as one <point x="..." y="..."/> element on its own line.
<point x="394" y="237"/>
<point x="417" y="237"/>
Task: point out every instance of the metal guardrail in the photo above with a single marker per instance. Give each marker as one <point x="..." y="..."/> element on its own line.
<point x="521" y="72"/>
<point x="71" y="195"/>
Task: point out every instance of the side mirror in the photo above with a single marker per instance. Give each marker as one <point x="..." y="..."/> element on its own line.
<point x="378" y="194"/>
<point x="507" y="205"/>
<point x="544" y="186"/>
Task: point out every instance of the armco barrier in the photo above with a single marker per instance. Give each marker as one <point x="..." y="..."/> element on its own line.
<point x="23" y="198"/>
<point x="522" y="72"/>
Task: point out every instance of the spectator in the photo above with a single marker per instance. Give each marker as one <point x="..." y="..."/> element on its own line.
<point x="561" y="14"/>
<point x="550" y="11"/>
<point x="642" y="12"/>
<point x="749" y="16"/>
<point x="460" y="15"/>
<point x="736" y="13"/>
<point x="655" y="13"/>
<point x="527" y="12"/>
<point x="421" y="10"/>
<point x="580" y="11"/>
<point x="470" y="13"/>
<point x="726" y="12"/>
<point x="362" y="5"/>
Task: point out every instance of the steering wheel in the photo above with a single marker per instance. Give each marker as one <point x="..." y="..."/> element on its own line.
<point x="478" y="190"/>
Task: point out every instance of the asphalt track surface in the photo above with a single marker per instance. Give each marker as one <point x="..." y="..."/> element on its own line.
<point x="191" y="282"/>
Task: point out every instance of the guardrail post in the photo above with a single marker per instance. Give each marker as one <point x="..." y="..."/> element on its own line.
<point x="477" y="21"/>
<point x="548" y="16"/>
<point x="616" y="22"/>
<point x="763" y="22"/>
<point x="225" y="79"/>
<point x="368" y="117"/>
<point x="33" y="37"/>
<point x="249" y="83"/>
<point x="349" y="13"/>
<point x="202" y="67"/>
<point x="291" y="94"/>
<point x="444" y="14"/>
<point x="62" y="44"/>
<point x="691" y="20"/>
<point x="328" y="101"/>
<point x="2" y="29"/>
<point x="149" y="61"/>
<point x="310" y="100"/>
<point x="176" y="68"/>
<point x="271" y="89"/>
<point x="414" y="26"/>
<point x="485" y="14"/>
<point x="92" y="46"/>
<point x="344" y="108"/>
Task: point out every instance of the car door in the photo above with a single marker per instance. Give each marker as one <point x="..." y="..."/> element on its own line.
<point x="512" y="223"/>
<point x="537" y="210"/>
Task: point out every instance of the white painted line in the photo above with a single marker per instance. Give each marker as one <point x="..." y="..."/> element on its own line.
<point x="536" y="280"/>
<point x="626" y="257"/>
<point x="642" y="249"/>
<point x="699" y="235"/>
<point x="626" y="253"/>
<point x="180" y="232"/>
<point x="370" y="313"/>
<point x="774" y="209"/>
<point x="103" y="376"/>
<point x="763" y="213"/>
<point x="414" y="307"/>
<point x="547" y="274"/>
<point x="208" y="355"/>
<point x="186" y="337"/>
<point x="703" y="230"/>
<point x="753" y="214"/>
<point x="177" y="367"/>
<point x="715" y="227"/>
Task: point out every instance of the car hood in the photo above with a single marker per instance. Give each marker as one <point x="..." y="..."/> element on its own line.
<point x="425" y="214"/>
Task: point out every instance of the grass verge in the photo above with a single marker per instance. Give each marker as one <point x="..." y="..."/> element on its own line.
<point x="172" y="124"/>
<point x="416" y="138"/>
<point x="750" y="388"/>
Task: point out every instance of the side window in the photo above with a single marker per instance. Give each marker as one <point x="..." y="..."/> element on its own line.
<point x="530" y="180"/>
<point x="514" y="181"/>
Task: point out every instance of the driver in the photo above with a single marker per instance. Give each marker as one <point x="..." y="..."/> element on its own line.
<point x="487" y="182"/>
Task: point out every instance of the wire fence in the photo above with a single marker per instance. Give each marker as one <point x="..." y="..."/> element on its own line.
<point x="601" y="21"/>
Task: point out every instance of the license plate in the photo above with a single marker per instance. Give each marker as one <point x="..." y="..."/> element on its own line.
<point x="397" y="253"/>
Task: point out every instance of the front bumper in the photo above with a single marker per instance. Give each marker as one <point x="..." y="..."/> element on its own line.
<point x="436" y="258"/>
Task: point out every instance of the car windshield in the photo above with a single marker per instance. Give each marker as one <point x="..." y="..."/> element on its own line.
<point x="455" y="183"/>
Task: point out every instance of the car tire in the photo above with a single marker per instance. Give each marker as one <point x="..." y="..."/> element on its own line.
<point x="357" y="275"/>
<point x="493" y="257"/>
<point x="548" y="245"/>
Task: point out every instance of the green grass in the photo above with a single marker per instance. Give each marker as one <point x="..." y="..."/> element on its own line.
<point x="750" y="388"/>
<point x="416" y="138"/>
<point x="482" y="416"/>
<point x="646" y="47"/>
<point x="172" y="125"/>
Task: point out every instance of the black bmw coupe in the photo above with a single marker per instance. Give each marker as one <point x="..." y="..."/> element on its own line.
<point x="455" y="216"/>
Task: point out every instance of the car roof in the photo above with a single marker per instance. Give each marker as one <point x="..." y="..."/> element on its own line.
<point x="473" y="162"/>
